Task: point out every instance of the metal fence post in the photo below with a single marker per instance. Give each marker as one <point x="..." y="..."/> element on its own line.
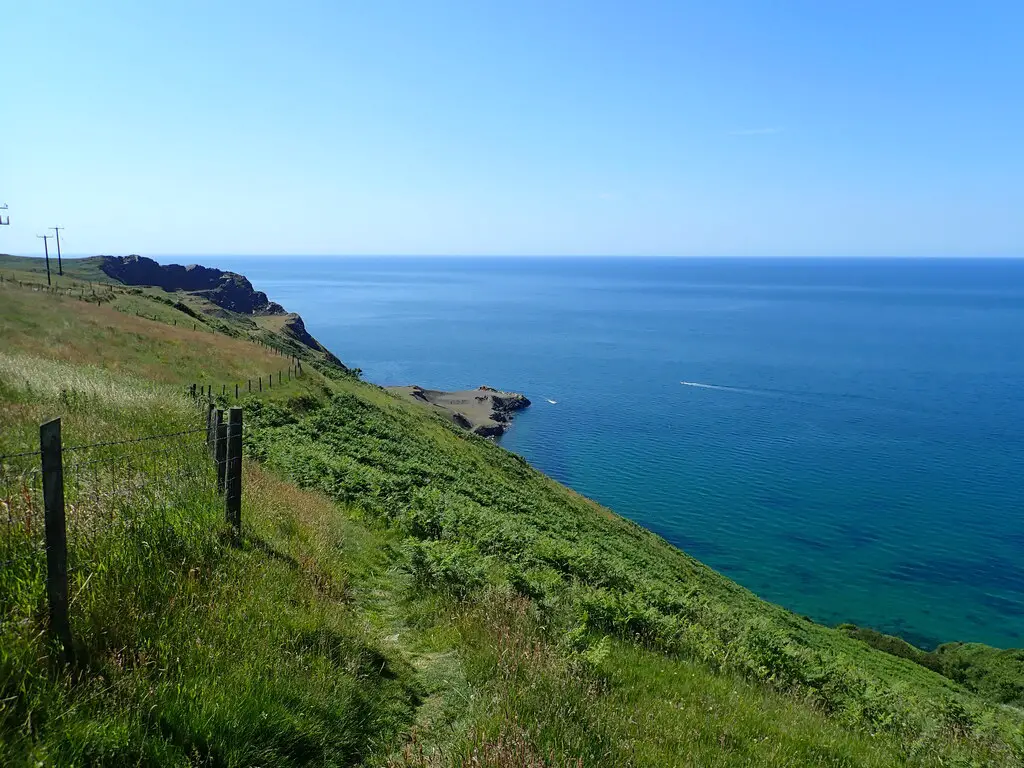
<point x="233" y="477"/>
<point x="56" y="534"/>
<point x="220" y="452"/>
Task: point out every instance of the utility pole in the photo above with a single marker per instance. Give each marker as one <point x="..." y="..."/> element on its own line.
<point x="46" y="250"/>
<point x="60" y="267"/>
<point x="2" y="222"/>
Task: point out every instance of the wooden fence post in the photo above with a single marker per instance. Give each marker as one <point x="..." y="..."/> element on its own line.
<point x="270" y="381"/>
<point x="192" y="391"/>
<point x="56" y="534"/>
<point x="236" y="391"/>
<point x="233" y="476"/>
<point x="220" y="451"/>
<point x="261" y="383"/>
<point x="209" y="426"/>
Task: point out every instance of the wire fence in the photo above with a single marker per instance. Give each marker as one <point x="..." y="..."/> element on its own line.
<point x="237" y="389"/>
<point x="62" y="285"/>
<point x="71" y="511"/>
<point x="115" y="490"/>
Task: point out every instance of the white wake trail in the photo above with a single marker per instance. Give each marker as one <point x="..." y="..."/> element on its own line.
<point x="710" y="386"/>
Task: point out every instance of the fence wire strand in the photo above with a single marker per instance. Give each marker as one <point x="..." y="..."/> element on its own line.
<point x="117" y="490"/>
<point x="121" y="498"/>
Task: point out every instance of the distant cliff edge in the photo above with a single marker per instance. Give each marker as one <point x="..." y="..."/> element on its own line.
<point x="227" y="290"/>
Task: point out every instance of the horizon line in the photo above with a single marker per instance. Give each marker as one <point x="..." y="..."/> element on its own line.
<point x="808" y="257"/>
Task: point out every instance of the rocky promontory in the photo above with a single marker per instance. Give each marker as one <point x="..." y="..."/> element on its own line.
<point x="228" y="290"/>
<point x="485" y="411"/>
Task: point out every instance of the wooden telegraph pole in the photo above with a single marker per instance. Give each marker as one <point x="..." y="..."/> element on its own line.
<point x="60" y="266"/>
<point x="46" y="250"/>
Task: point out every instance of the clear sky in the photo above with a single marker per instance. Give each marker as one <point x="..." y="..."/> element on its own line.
<point x="721" y="127"/>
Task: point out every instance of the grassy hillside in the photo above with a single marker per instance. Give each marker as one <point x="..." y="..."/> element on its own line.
<point x="84" y="279"/>
<point x="409" y="594"/>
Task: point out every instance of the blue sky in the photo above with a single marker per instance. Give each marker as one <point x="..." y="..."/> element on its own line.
<point x="821" y="127"/>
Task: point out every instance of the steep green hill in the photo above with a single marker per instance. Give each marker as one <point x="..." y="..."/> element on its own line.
<point x="410" y="594"/>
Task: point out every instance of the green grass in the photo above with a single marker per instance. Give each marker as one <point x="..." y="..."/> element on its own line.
<point x="189" y="650"/>
<point x="541" y="703"/>
<point x="994" y="673"/>
<point x="407" y="594"/>
<point x="80" y="269"/>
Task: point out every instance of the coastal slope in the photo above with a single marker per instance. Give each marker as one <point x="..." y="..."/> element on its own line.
<point x="203" y="298"/>
<point x="403" y="593"/>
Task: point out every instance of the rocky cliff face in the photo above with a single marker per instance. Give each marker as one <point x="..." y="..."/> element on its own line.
<point x="225" y="289"/>
<point x="294" y="327"/>
<point x="503" y="405"/>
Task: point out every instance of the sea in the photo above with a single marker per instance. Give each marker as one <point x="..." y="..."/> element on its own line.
<point x="841" y="436"/>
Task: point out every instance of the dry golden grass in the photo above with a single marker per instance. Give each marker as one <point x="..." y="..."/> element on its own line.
<point x="48" y="378"/>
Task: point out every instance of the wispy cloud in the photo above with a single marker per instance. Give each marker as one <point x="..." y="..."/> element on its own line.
<point x="755" y="131"/>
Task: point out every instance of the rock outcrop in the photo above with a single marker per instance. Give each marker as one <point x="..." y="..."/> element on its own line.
<point x="228" y="290"/>
<point x="485" y="411"/>
<point x="294" y="327"/>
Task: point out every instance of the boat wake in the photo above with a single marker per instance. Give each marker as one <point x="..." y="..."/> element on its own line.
<point x="826" y="399"/>
<point x="713" y="386"/>
<point x="553" y="402"/>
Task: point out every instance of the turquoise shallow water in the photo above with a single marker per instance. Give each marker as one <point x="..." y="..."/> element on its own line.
<point x="848" y="442"/>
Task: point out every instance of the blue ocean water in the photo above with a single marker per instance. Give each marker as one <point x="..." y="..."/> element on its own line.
<point x="842" y="437"/>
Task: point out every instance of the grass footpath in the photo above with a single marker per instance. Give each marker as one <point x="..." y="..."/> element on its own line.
<point x="407" y="594"/>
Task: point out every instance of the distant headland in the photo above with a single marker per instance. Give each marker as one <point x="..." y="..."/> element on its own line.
<point x="485" y="411"/>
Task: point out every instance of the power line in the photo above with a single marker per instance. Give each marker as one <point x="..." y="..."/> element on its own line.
<point x="46" y="250"/>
